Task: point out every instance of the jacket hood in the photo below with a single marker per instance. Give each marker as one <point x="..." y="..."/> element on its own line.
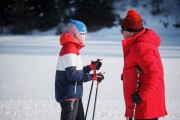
<point x="150" y="36"/>
<point x="146" y="35"/>
<point x="68" y="38"/>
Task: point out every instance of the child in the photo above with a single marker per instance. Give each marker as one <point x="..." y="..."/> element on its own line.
<point x="70" y="74"/>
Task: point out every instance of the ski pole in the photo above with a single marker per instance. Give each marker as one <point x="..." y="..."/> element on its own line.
<point x="95" y="99"/>
<point x="89" y="98"/>
<point x="139" y="71"/>
<point x="91" y="89"/>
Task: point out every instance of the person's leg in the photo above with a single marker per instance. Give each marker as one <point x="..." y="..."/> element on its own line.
<point x="69" y="109"/>
<point x="80" y="114"/>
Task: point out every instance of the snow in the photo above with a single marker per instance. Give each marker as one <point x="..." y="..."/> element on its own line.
<point x="27" y="72"/>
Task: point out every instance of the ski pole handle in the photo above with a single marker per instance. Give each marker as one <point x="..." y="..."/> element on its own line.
<point x="102" y="73"/>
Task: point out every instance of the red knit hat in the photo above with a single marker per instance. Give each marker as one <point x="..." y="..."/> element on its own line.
<point x="132" y="22"/>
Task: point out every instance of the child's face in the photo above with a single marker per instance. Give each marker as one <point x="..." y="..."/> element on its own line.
<point x="83" y="36"/>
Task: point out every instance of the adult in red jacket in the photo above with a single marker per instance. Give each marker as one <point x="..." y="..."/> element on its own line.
<point x="140" y="48"/>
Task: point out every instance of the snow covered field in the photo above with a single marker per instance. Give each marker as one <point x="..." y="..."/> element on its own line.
<point x="27" y="71"/>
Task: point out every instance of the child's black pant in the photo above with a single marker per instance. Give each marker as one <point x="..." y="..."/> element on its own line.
<point x="144" y="119"/>
<point x="72" y="110"/>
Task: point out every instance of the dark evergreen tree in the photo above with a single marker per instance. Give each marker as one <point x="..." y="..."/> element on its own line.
<point x="95" y="13"/>
<point x="21" y="18"/>
<point x="64" y="8"/>
<point x="5" y="9"/>
<point x="156" y="6"/>
<point x="134" y="3"/>
<point x="47" y="14"/>
<point x="25" y="15"/>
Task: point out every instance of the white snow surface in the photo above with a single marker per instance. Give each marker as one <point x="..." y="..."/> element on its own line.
<point x="27" y="73"/>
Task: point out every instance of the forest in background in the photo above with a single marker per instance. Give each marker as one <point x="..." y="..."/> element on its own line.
<point x="24" y="16"/>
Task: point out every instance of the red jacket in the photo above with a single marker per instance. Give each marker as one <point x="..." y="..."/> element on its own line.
<point x="142" y="50"/>
<point x="70" y="73"/>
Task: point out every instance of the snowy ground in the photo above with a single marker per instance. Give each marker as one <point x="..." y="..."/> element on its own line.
<point x="27" y="73"/>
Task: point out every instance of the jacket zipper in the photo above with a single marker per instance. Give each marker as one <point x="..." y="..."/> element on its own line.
<point x="75" y="87"/>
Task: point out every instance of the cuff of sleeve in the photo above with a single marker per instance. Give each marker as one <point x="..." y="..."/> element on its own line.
<point x="91" y="66"/>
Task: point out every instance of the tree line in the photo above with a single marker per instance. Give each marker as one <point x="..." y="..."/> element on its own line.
<point x="23" y="16"/>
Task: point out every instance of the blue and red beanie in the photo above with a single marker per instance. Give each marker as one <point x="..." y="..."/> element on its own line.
<point x="81" y="27"/>
<point x="75" y="28"/>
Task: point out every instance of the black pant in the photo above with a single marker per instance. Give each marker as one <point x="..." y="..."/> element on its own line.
<point x="72" y="110"/>
<point x="144" y="119"/>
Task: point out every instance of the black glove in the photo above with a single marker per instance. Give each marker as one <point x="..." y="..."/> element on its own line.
<point x="96" y="64"/>
<point x="98" y="77"/>
<point x="136" y="98"/>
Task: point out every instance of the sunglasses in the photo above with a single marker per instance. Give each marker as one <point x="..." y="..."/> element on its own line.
<point x="123" y="29"/>
<point x="85" y="33"/>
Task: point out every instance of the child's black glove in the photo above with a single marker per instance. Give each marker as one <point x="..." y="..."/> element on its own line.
<point x="99" y="77"/>
<point x="95" y="64"/>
